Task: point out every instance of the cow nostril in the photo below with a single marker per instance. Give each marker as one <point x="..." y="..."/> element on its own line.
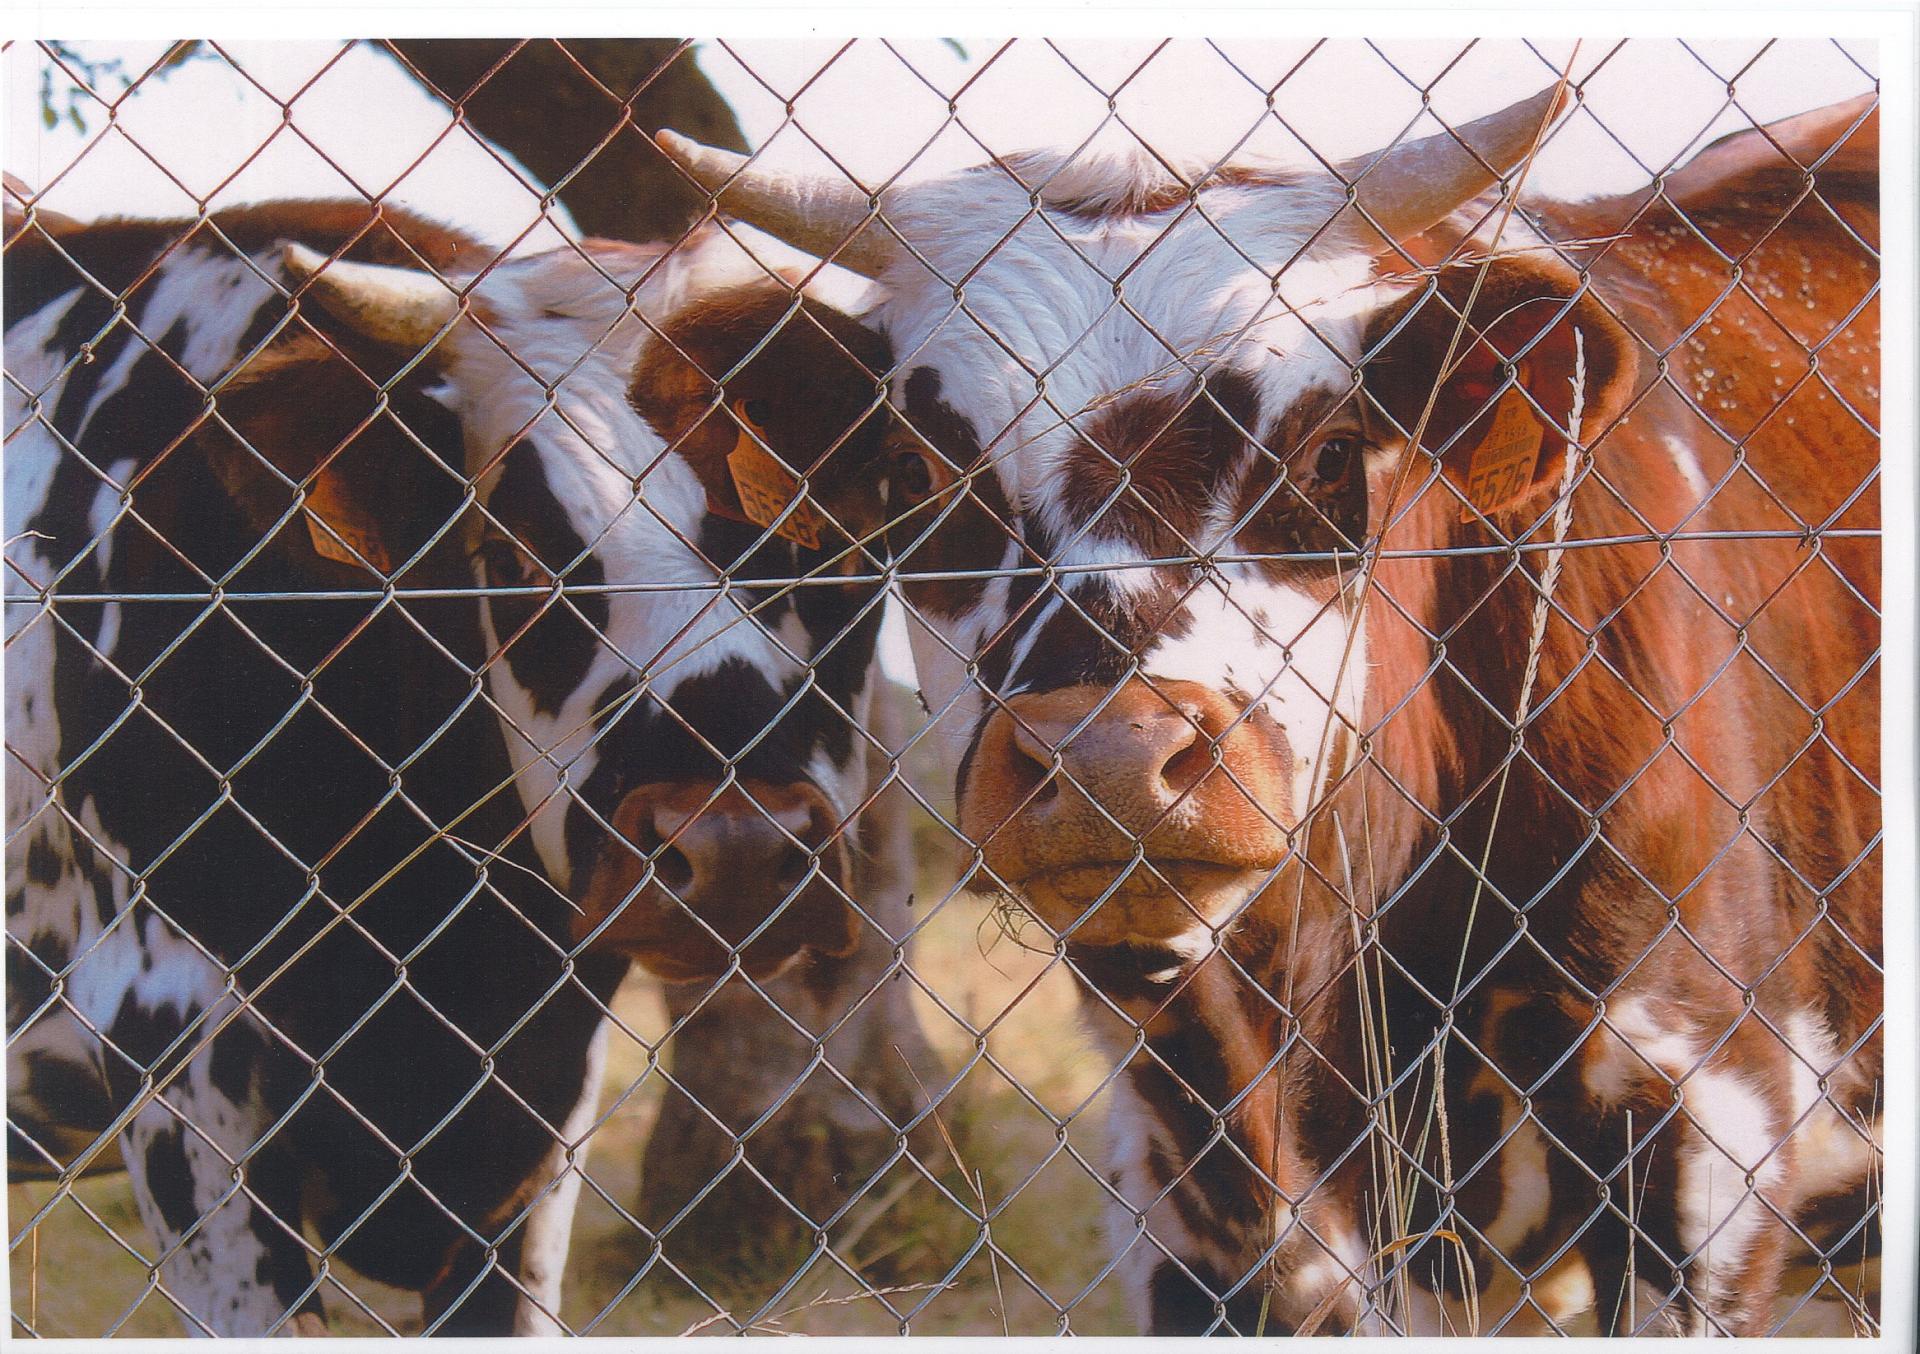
<point x="672" y="869"/>
<point x="1036" y="781"/>
<point x="795" y="866"/>
<point x="1189" y="762"/>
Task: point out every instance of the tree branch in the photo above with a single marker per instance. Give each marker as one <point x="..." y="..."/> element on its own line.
<point x="551" y="105"/>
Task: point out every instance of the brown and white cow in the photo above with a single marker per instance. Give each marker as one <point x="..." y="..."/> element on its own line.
<point x="372" y="701"/>
<point x="1334" y="743"/>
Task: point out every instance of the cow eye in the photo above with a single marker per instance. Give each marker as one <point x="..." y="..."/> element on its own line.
<point x="507" y="563"/>
<point x="1335" y="457"/>
<point x="911" y="476"/>
<point x="758" y="413"/>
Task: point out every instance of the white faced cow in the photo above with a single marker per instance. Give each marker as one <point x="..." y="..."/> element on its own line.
<point x="1232" y="535"/>
<point x="276" y="923"/>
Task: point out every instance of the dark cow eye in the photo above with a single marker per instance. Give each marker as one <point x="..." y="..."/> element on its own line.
<point x="756" y="412"/>
<point x="507" y="563"/>
<point x="1335" y="458"/>
<point x="911" y="476"/>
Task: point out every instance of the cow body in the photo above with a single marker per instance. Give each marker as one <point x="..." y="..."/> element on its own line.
<point x="1331" y="762"/>
<point x="206" y="806"/>
<point x="1698" y="1007"/>
<point x="276" y="921"/>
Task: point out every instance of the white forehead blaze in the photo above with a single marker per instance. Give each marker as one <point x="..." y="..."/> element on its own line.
<point x="1039" y="336"/>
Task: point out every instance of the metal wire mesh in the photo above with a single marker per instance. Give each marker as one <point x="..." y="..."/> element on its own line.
<point x="1552" y="1003"/>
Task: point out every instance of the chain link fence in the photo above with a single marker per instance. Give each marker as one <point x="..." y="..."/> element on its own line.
<point x="1267" y="723"/>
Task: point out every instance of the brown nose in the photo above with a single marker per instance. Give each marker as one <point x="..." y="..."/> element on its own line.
<point x="711" y="854"/>
<point x="1068" y="790"/>
<point x="757" y="869"/>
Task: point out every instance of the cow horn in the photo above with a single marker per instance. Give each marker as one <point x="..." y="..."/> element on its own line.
<point x="389" y="305"/>
<point x="818" y="214"/>
<point x="1411" y="188"/>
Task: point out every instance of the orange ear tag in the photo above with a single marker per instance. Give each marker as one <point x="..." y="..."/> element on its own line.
<point x="324" y="504"/>
<point x="766" y="489"/>
<point x="1502" y="467"/>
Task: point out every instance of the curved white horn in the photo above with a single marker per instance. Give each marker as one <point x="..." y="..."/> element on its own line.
<point x="1410" y="188"/>
<point x="389" y="305"/>
<point x="820" y="215"/>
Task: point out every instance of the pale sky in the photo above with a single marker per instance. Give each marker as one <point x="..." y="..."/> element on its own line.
<point x="881" y="109"/>
<point x="360" y="124"/>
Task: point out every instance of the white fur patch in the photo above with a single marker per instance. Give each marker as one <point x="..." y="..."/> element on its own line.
<point x="1526" y="1188"/>
<point x="1687" y="463"/>
<point x="1718" y="1213"/>
<point x="104" y="511"/>
<point x="1831" y="1153"/>
<point x="214" y="295"/>
<point x="1295" y="662"/>
<point x="1636" y="1047"/>
<point x="1131" y="1127"/>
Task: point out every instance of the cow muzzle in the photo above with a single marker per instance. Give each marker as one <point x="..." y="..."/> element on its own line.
<point x="694" y="878"/>
<point x="1133" y="816"/>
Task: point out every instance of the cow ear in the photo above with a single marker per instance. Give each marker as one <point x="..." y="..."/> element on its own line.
<point x="755" y="388"/>
<point x="721" y="434"/>
<point x="675" y="389"/>
<point x="1501" y="385"/>
<point x="305" y="411"/>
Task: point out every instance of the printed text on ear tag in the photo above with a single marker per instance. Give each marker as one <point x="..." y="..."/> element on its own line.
<point x="766" y="490"/>
<point x="1501" y="471"/>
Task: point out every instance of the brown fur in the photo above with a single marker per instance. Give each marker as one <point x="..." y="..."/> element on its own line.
<point x="1690" y="825"/>
<point x="1145" y="464"/>
<point x="120" y="254"/>
<point x="817" y="372"/>
<point x="972" y="534"/>
<point x="306" y="408"/>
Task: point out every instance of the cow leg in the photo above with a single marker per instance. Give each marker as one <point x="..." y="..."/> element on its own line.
<point x="1614" y="1195"/>
<point x="221" y="1204"/>
<point x="549" y="1227"/>
<point x="57" y="1103"/>
<point x="484" y="1308"/>
<point x="537" y="1249"/>
<point x="1692" y="1217"/>
<point x="60" y="895"/>
<point x="220" y="1199"/>
<point x="1511" y="1108"/>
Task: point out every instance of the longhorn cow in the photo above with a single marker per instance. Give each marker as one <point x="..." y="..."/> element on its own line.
<point x="1385" y="634"/>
